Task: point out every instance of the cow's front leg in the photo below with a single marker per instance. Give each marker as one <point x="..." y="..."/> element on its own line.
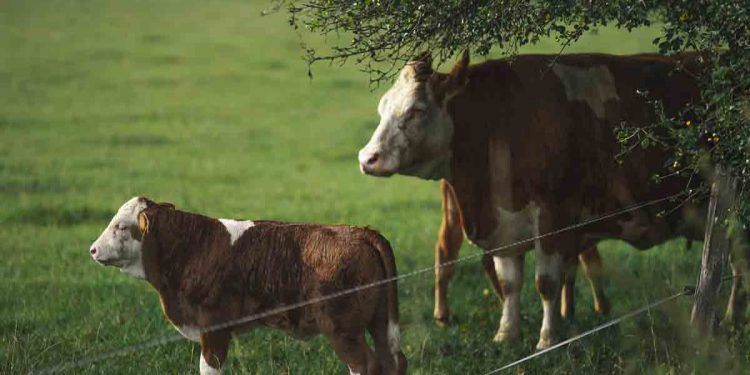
<point x="214" y="348"/>
<point x="449" y="243"/>
<point x="510" y="276"/>
<point x="548" y="275"/>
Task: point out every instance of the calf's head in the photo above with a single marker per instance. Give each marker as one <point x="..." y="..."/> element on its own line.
<point x="121" y="243"/>
<point x="415" y="130"/>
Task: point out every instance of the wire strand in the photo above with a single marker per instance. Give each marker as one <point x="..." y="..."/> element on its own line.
<point x="250" y="318"/>
<point x="687" y="291"/>
<point x="590" y="332"/>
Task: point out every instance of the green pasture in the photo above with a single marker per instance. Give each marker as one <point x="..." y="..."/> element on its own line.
<point x="208" y="105"/>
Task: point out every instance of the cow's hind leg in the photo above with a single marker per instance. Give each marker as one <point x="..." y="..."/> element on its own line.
<point x="446" y="250"/>
<point x="567" y="305"/>
<point x="488" y="265"/>
<point x="738" y="295"/>
<point x="592" y="266"/>
<point x="510" y="276"/>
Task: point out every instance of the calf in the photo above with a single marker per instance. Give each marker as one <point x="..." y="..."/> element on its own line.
<point x="212" y="271"/>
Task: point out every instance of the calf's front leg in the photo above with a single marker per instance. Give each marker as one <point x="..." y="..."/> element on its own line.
<point x="214" y="349"/>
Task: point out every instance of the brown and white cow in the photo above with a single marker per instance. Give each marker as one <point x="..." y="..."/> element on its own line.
<point x="530" y="149"/>
<point x="448" y="245"/>
<point x="209" y="272"/>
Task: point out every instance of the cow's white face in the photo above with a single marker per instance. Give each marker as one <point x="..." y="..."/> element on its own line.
<point x="415" y="130"/>
<point x="120" y="243"/>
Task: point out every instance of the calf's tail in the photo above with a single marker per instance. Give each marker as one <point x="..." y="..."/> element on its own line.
<point x="389" y="265"/>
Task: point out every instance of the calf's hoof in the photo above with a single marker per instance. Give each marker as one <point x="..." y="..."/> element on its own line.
<point x="507" y="335"/>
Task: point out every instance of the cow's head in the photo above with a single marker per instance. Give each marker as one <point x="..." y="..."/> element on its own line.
<point x="121" y="242"/>
<point x="415" y="130"/>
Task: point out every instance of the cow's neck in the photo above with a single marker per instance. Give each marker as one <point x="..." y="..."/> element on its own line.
<point x="481" y="167"/>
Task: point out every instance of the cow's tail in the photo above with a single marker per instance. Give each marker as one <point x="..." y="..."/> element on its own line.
<point x="389" y="265"/>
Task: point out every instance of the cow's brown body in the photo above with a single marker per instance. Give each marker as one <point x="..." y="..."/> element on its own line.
<point x="530" y="148"/>
<point x="518" y="139"/>
<point x="448" y="245"/>
<point x="210" y="283"/>
<point x="521" y="138"/>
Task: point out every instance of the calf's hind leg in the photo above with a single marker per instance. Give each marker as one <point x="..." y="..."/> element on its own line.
<point x="214" y="349"/>
<point x="353" y="350"/>
<point x="387" y="344"/>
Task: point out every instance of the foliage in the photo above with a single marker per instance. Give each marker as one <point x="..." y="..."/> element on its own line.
<point x="202" y="104"/>
<point x="386" y="33"/>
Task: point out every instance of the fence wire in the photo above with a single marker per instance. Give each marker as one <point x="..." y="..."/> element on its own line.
<point x="687" y="291"/>
<point x="592" y="331"/>
<point x="498" y="251"/>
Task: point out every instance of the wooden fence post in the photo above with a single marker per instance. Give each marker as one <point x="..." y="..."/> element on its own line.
<point x="715" y="254"/>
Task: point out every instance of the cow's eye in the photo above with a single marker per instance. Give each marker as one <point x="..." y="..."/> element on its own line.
<point x="119" y="227"/>
<point x="415" y="113"/>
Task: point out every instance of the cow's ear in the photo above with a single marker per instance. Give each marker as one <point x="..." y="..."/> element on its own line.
<point x="143" y="223"/>
<point x="456" y="80"/>
<point x="419" y="68"/>
<point x="459" y="75"/>
<point x="424" y="57"/>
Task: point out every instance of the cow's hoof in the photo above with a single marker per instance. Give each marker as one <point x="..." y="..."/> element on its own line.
<point x="730" y="322"/>
<point x="545" y="341"/>
<point x="442" y="317"/>
<point x="507" y="335"/>
<point x="602" y="306"/>
<point x="441" y="323"/>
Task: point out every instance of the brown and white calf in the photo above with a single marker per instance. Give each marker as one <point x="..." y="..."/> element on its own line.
<point x="212" y="271"/>
<point x="529" y="148"/>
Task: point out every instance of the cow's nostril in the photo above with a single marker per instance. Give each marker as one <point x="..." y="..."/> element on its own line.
<point x="373" y="159"/>
<point x="93" y="251"/>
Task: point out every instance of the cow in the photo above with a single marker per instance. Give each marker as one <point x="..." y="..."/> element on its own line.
<point x="450" y="238"/>
<point x="212" y="272"/>
<point x="528" y="146"/>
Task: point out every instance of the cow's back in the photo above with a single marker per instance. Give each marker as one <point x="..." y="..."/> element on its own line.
<point x="527" y="132"/>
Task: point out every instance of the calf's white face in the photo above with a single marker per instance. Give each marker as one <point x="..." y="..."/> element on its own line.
<point x="415" y="130"/>
<point x="120" y="243"/>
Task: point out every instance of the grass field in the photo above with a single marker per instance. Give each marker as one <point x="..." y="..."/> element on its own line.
<point x="208" y="105"/>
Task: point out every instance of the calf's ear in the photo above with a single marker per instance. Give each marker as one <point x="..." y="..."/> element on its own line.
<point x="167" y="205"/>
<point x="143" y="223"/>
